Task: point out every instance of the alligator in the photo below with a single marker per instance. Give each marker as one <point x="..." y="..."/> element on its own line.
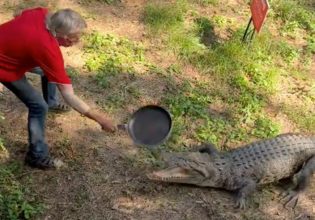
<point x="244" y="168"/>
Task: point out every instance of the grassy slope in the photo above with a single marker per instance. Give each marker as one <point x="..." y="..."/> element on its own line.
<point x="237" y="94"/>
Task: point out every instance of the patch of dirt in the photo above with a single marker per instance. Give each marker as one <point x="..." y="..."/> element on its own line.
<point x="105" y="178"/>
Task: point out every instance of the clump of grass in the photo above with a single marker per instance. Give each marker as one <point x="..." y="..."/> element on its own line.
<point x="310" y="48"/>
<point x="162" y="17"/>
<point x="287" y="52"/>
<point x="213" y="130"/>
<point x="207" y="2"/>
<point x="115" y="61"/>
<point x="191" y="101"/>
<point x="108" y="56"/>
<point x="264" y="127"/>
<point x="305" y="120"/>
<point x="221" y="21"/>
<point x="16" y="201"/>
<point x="204" y="25"/>
<point x="290" y="11"/>
<point x="186" y="45"/>
<point x="72" y="72"/>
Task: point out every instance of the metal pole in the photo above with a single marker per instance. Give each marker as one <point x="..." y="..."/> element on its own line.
<point x="246" y="31"/>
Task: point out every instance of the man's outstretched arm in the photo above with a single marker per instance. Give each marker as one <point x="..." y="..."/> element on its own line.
<point x="80" y="106"/>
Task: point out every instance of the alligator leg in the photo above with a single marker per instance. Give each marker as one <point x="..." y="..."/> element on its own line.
<point x="248" y="187"/>
<point x="302" y="179"/>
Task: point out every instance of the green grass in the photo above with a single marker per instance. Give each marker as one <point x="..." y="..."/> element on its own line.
<point x="162" y="17"/>
<point x="246" y="75"/>
<point x="108" y="55"/>
<point x="16" y="200"/>
<point x="287" y="52"/>
<point x="310" y="48"/>
<point x="115" y="63"/>
<point x="290" y="12"/>
<point x="185" y="44"/>
<point x="72" y="72"/>
<point x="303" y="119"/>
<point x="207" y="2"/>
<point x="247" y="71"/>
<point x="204" y="26"/>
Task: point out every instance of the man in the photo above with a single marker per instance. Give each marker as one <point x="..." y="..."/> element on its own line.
<point x="30" y="40"/>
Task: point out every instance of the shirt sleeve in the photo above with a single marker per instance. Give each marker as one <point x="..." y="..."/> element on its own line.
<point x="51" y="61"/>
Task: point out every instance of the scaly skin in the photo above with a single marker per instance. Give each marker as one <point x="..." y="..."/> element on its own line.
<point x="244" y="168"/>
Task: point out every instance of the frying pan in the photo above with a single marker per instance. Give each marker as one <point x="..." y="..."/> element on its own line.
<point x="149" y="126"/>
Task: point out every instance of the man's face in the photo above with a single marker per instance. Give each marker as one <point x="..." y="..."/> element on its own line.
<point x="68" y="40"/>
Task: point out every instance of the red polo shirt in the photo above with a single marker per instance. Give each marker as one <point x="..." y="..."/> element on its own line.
<point x="25" y="43"/>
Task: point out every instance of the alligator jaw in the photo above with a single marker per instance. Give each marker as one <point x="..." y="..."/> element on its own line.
<point x="169" y="175"/>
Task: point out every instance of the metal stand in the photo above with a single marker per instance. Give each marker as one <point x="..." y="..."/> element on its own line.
<point x="249" y="32"/>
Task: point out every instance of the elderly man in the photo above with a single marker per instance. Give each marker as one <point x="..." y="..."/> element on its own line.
<point x="30" y="40"/>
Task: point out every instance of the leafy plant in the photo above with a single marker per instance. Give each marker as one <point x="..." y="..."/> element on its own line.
<point x="221" y="21"/>
<point x="212" y="130"/>
<point x="265" y="128"/>
<point x="16" y="201"/>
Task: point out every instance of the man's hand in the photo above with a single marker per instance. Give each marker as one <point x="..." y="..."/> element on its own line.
<point x="106" y="124"/>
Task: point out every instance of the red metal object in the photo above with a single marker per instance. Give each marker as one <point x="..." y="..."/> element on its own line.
<point x="259" y="9"/>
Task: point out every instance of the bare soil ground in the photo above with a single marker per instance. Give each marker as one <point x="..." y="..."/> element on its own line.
<point x="105" y="178"/>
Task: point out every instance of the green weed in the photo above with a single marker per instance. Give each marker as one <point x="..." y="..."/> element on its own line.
<point x="207" y="2"/>
<point x="186" y="45"/>
<point x="265" y="128"/>
<point x="287" y="52"/>
<point x="212" y="131"/>
<point x="221" y="21"/>
<point x="204" y="29"/>
<point x="108" y="56"/>
<point x="303" y="118"/>
<point x="290" y="11"/>
<point x="163" y="17"/>
<point x="310" y="48"/>
<point x="16" y="201"/>
<point x="188" y="101"/>
<point x="72" y="72"/>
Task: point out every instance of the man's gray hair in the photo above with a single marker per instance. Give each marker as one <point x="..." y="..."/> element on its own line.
<point x="65" y="21"/>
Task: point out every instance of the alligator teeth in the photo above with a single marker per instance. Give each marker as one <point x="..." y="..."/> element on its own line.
<point x="170" y="174"/>
<point x="171" y="178"/>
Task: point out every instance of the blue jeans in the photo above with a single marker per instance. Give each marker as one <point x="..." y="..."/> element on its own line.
<point x="38" y="108"/>
<point x="49" y="89"/>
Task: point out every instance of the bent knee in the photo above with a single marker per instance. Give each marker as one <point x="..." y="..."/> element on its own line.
<point x="39" y="107"/>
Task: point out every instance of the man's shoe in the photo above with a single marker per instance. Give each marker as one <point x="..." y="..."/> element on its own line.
<point x="44" y="163"/>
<point x="59" y="108"/>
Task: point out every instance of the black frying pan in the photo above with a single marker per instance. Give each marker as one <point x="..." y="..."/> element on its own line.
<point x="149" y="126"/>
